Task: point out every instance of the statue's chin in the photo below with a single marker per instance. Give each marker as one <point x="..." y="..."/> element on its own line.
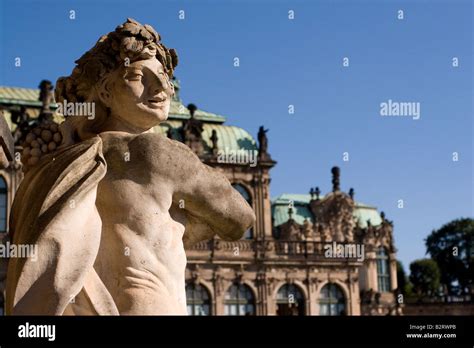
<point x="153" y="119"/>
<point x="160" y="119"/>
<point x="160" y="115"/>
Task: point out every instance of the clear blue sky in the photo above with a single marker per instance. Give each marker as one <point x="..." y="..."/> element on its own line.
<point x="299" y="62"/>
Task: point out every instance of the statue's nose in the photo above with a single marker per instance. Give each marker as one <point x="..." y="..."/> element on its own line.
<point x="159" y="85"/>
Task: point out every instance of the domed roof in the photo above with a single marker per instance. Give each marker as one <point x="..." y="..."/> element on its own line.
<point x="302" y="211"/>
<point x="180" y="112"/>
<point x="229" y="138"/>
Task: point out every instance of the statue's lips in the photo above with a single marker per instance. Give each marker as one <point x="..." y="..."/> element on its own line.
<point x="156" y="103"/>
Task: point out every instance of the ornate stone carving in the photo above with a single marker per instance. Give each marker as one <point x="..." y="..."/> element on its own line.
<point x="6" y="144"/>
<point x="291" y="231"/>
<point x="376" y="236"/>
<point x="97" y="238"/>
<point x="308" y="231"/>
<point x="218" y="280"/>
<point x="334" y="215"/>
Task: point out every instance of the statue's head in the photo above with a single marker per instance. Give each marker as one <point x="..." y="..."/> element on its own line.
<point x="127" y="76"/>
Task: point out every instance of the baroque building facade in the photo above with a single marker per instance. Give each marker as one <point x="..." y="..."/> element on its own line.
<point x="307" y="254"/>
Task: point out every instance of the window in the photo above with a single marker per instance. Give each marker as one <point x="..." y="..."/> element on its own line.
<point x="3" y="204"/>
<point x="331" y="300"/>
<point x="198" y="300"/>
<point x="290" y="301"/>
<point x="243" y="191"/>
<point x="383" y="270"/>
<point x="239" y="300"/>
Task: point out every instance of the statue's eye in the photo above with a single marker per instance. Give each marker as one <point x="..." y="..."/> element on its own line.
<point x="133" y="76"/>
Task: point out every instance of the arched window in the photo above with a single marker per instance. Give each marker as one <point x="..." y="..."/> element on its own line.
<point x="198" y="300"/>
<point x="239" y="300"/>
<point x="331" y="300"/>
<point x="3" y="204"/>
<point x="243" y="191"/>
<point x="383" y="270"/>
<point x="290" y="300"/>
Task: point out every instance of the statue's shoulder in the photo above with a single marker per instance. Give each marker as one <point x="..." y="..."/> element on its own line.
<point x="157" y="144"/>
<point x="153" y="148"/>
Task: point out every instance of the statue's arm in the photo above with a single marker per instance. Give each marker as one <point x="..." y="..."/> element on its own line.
<point x="206" y="195"/>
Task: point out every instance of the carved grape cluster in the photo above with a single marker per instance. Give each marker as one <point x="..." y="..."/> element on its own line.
<point x="43" y="139"/>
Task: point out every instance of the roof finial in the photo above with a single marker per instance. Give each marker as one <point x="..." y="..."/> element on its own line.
<point x="192" y="108"/>
<point x="382" y="215"/>
<point x="311" y="192"/>
<point x="351" y="193"/>
<point x="177" y="87"/>
<point x="46" y="96"/>
<point x="290" y="213"/>
<point x="317" y="191"/>
<point x="335" y="178"/>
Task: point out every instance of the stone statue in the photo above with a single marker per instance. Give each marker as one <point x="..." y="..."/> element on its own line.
<point x="46" y="97"/>
<point x="262" y="142"/>
<point x="192" y="132"/>
<point x="214" y="140"/>
<point x="21" y="120"/>
<point x="112" y="208"/>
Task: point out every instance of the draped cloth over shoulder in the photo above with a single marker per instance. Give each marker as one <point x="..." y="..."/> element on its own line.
<point x="55" y="210"/>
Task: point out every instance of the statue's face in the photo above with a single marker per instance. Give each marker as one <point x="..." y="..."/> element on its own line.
<point x="140" y="94"/>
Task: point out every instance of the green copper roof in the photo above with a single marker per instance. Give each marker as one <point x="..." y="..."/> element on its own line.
<point x="29" y="97"/>
<point x="180" y="112"/>
<point x="228" y="137"/>
<point x="20" y="96"/>
<point x="364" y="213"/>
<point x="301" y="210"/>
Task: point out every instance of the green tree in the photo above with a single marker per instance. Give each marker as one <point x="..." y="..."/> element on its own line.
<point x="451" y="247"/>
<point x="404" y="285"/>
<point x="425" y="277"/>
<point x="401" y="278"/>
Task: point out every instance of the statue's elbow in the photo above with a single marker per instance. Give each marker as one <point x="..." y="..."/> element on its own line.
<point x="242" y="222"/>
<point x="248" y="218"/>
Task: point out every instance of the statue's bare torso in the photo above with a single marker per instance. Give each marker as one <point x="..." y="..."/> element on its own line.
<point x="156" y="197"/>
<point x="141" y="259"/>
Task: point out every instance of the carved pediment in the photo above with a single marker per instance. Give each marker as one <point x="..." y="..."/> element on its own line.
<point x="291" y="231"/>
<point x="334" y="215"/>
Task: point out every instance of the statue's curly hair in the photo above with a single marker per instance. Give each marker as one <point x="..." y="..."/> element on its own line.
<point x="130" y="40"/>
